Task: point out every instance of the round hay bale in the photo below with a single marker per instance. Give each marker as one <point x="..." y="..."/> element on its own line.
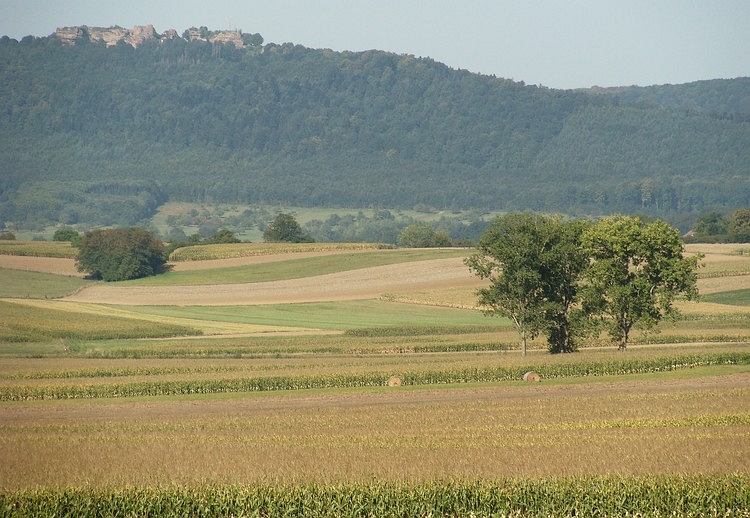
<point x="394" y="381"/>
<point x="532" y="377"/>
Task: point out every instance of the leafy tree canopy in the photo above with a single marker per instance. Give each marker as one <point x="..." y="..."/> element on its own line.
<point x="120" y="254"/>
<point x="420" y="235"/>
<point x="285" y="228"/>
<point x="637" y="271"/>
<point x="564" y="278"/>
<point x="67" y="234"/>
<point x="533" y="263"/>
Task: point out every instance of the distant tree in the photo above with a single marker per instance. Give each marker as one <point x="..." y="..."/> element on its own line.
<point x="739" y="226"/>
<point x="285" y="228"/>
<point x="7" y="236"/>
<point x="120" y="254"/>
<point x="711" y="223"/>
<point x="222" y="236"/>
<point x="176" y="235"/>
<point x="67" y="234"/>
<point x="420" y="235"/>
<point x="255" y="40"/>
<point x="637" y="271"/>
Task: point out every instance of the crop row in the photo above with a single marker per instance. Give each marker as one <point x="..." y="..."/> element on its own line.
<point x="274" y="383"/>
<point x="38" y="249"/>
<point x="230" y="251"/>
<point x="116" y="372"/>
<point x="686" y="496"/>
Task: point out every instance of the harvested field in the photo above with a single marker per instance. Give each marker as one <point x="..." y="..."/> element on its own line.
<point x="686" y="426"/>
<point x="56" y="265"/>
<point x="365" y="283"/>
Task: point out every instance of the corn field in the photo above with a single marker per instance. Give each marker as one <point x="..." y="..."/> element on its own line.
<point x="38" y="249"/>
<point x="231" y="251"/>
<point x="726" y="496"/>
<point x="371" y="379"/>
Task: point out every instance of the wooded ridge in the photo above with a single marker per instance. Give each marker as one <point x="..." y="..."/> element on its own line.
<point x="103" y="133"/>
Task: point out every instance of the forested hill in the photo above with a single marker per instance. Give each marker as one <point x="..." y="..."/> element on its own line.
<point x="98" y="134"/>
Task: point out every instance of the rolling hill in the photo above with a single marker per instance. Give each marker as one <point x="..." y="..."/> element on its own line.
<point x="102" y="132"/>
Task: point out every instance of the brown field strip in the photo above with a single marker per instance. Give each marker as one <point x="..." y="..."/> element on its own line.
<point x="56" y="265"/>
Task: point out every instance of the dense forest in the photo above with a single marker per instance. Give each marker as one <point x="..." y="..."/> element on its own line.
<point x="103" y="135"/>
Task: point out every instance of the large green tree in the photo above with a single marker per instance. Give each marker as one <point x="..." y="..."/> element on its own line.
<point x="120" y="254"/>
<point x="533" y="264"/>
<point x="637" y="271"/>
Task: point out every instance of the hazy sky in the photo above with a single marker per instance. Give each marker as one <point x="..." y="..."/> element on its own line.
<point x="556" y="43"/>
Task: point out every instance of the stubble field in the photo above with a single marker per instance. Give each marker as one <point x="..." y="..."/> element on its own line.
<point x="363" y="383"/>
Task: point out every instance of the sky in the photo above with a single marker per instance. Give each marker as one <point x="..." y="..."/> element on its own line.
<point x="554" y="43"/>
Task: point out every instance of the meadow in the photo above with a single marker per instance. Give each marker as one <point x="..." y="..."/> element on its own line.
<point x="411" y="403"/>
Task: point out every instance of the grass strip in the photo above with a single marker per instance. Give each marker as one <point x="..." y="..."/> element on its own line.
<point x="372" y="379"/>
<point x="658" y="495"/>
<point x="35" y="285"/>
<point x="732" y="298"/>
<point x="332" y="315"/>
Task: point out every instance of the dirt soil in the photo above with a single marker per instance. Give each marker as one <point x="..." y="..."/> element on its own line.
<point x="56" y="265"/>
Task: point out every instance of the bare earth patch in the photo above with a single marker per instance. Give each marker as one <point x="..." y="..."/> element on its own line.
<point x="56" y="265"/>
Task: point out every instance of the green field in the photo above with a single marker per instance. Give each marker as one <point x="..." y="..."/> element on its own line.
<point x="330" y="315"/>
<point x="733" y="298"/>
<point x="371" y="407"/>
<point x="36" y="285"/>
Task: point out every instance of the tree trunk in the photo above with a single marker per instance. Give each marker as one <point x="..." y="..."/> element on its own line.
<point x="523" y="342"/>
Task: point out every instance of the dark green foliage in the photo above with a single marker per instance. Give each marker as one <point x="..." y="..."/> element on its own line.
<point x="420" y="235"/>
<point x="222" y="236"/>
<point x="67" y="234"/>
<point x="7" y="236"/>
<point x="120" y="254"/>
<point x="711" y="223"/>
<point x="198" y="122"/>
<point x="713" y="227"/>
<point x="739" y="226"/>
<point x="285" y="228"/>
<point x="533" y="263"/>
<point x="637" y="271"/>
<point x="568" y="278"/>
